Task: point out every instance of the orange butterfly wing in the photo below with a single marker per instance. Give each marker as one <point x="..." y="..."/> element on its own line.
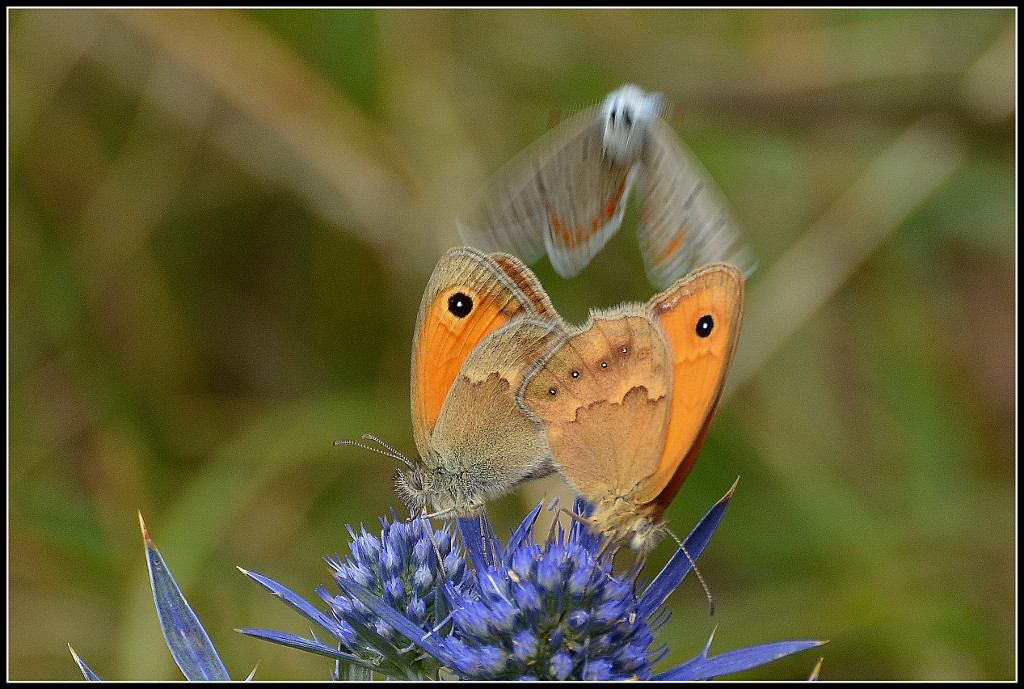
<point x="469" y="296"/>
<point x="701" y="317"/>
<point x="603" y="396"/>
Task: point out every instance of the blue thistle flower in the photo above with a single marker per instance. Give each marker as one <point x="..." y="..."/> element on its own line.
<point x="551" y="611"/>
<point x="402" y="569"/>
<point x="530" y="596"/>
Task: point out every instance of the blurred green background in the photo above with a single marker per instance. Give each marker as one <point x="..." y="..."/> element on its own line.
<point x="221" y="223"/>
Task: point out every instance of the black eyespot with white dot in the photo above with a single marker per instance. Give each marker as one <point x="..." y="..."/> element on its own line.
<point x="460" y="304"/>
<point x="552" y="391"/>
<point x="705" y="325"/>
<point x="604" y="364"/>
<point x="624" y="350"/>
<point x="575" y="374"/>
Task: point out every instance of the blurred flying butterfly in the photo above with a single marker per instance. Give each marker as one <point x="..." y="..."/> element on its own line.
<point x="566" y="194"/>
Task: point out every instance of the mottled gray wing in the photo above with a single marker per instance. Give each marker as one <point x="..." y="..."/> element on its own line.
<point x="559" y="195"/>
<point x="685" y="222"/>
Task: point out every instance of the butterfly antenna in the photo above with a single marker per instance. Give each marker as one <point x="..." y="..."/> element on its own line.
<point x="393" y="451"/>
<point x="388" y="451"/>
<point x="707" y="591"/>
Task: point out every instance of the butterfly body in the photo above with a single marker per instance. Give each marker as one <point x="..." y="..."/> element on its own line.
<point x="566" y="195"/>
<point x="627" y="399"/>
<point x="628" y="115"/>
<point x="483" y="321"/>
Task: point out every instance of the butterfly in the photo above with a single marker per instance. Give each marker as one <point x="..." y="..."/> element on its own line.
<point x="626" y="400"/>
<point x="483" y="321"/>
<point x="566" y="195"/>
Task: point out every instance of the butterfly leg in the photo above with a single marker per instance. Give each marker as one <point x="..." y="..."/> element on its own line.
<point x="636" y="567"/>
<point x="555" y="524"/>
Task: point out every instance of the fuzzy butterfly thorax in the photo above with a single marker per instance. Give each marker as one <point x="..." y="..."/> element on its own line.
<point x="628" y="115"/>
<point x="459" y="492"/>
<point x="621" y="522"/>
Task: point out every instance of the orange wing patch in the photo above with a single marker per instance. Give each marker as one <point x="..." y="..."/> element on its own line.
<point x="528" y="283"/>
<point x="700" y="365"/>
<point x="446" y="341"/>
<point x="572" y="237"/>
<point x="673" y="244"/>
